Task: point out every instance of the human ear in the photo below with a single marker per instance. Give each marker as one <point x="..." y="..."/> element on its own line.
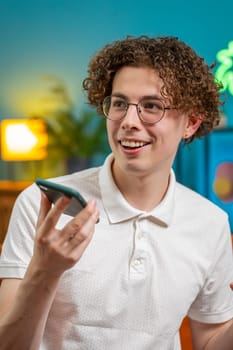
<point x="192" y="126"/>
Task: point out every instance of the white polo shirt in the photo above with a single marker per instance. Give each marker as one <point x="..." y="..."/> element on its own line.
<point x="142" y="272"/>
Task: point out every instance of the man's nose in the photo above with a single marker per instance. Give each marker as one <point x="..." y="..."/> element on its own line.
<point x="131" y="117"/>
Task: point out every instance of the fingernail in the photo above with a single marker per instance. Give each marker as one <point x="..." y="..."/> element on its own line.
<point x="91" y="203"/>
<point x="66" y="199"/>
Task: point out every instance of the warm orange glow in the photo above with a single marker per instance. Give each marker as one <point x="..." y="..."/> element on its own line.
<point x="23" y="139"/>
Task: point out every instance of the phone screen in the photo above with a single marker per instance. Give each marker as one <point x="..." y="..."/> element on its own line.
<point x="54" y="191"/>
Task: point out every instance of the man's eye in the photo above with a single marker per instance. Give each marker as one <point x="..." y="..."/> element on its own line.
<point x="119" y="104"/>
<point x="152" y="105"/>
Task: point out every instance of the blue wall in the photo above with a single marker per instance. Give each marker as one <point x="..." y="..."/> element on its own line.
<point x="58" y="37"/>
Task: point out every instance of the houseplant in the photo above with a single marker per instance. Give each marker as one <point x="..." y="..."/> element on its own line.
<point x="76" y="138"/>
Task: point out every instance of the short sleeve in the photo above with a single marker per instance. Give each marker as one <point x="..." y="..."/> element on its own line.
<point x="214" y="303"/>
<point x="19" y="241"/>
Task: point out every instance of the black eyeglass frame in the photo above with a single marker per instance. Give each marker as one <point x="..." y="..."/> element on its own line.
<point x="137" y="108"/>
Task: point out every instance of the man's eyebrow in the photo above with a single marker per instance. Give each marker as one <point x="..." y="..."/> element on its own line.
<point x="118" y="94"/>
<point x="150" y="97"/>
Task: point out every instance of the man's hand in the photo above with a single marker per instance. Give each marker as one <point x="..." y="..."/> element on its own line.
<point x="57" y="250"/>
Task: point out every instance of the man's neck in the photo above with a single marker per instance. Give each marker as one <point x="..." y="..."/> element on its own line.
<point x="142" y="192"/>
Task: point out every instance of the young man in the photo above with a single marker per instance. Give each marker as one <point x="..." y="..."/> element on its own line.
<point x="159" y="252"/>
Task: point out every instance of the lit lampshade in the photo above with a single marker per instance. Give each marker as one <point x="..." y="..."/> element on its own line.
<point x="23" y="139"/>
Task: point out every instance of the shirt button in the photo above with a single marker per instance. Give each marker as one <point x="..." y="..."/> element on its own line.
<point x="137" y="262"/>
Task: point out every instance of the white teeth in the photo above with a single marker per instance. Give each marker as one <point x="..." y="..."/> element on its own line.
<point x="132" y="144"/>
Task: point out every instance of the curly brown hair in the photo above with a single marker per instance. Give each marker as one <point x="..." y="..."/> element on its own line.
<point x="188" y="82"/>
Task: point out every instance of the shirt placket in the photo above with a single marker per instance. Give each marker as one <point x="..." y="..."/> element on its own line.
<point x="140" y="258"/>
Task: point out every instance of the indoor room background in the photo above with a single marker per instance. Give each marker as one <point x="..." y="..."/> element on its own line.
<point x="45" y="49"/>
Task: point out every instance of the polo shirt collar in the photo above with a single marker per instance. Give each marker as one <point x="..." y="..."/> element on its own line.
<point x="118" y="209"/>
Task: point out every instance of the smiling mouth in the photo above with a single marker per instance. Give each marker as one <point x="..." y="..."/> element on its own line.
<point x="133" y="144"/>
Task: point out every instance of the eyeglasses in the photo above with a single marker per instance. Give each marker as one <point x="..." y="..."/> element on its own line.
<point x="150" y="110"/>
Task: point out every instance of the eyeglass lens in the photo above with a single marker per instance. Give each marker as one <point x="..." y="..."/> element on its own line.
<point x="150" y="110"/>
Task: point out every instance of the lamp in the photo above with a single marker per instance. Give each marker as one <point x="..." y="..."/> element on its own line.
<point x="23" y="139"/>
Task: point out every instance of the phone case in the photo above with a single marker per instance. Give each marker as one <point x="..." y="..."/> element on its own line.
<point x="54" y="191"/>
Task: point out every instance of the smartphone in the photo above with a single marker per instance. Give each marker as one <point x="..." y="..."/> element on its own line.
<point x="54" y="191"/>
